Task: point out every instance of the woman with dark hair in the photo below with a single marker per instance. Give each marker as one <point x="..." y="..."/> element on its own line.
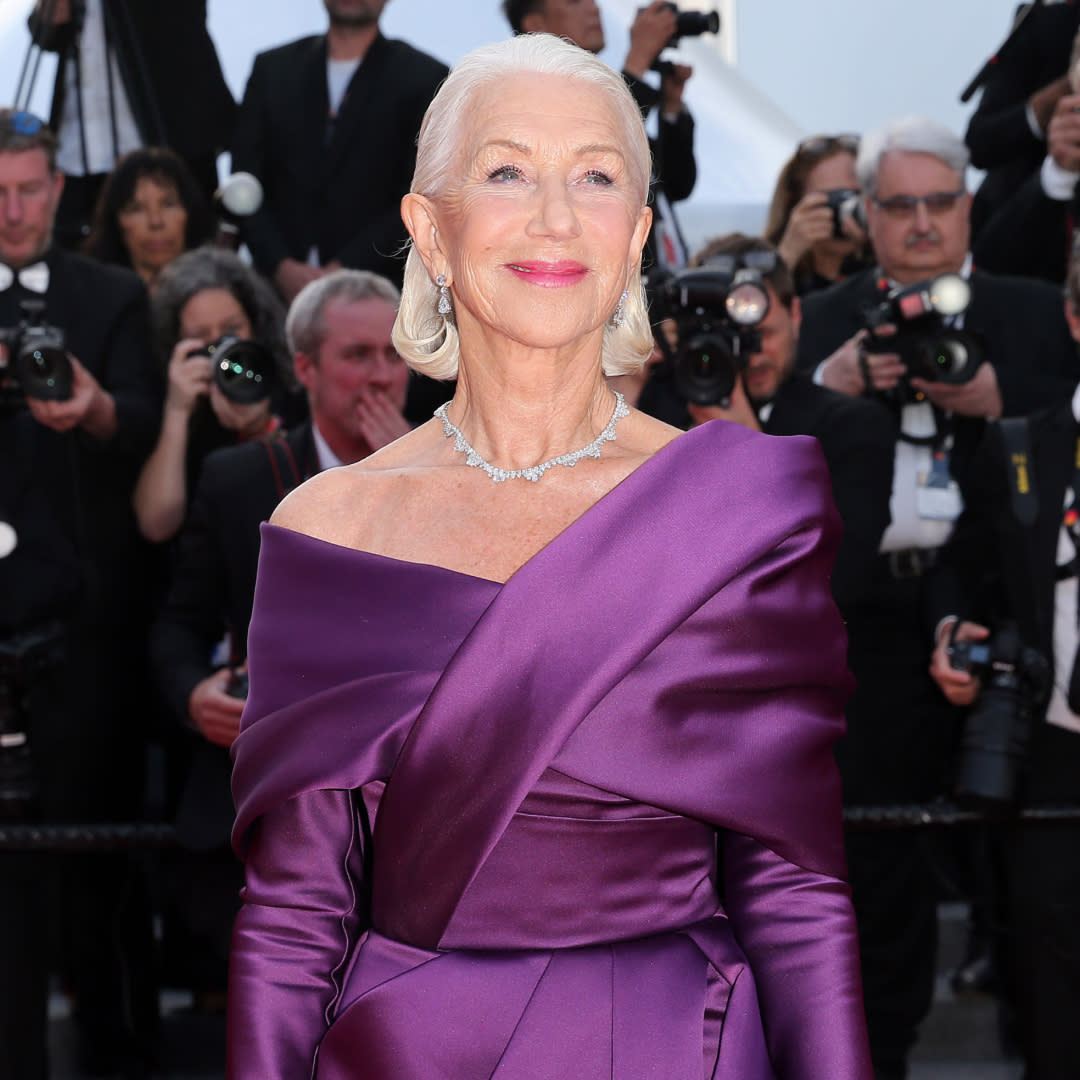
<point x="203" y="296"/>
<point x="820" y="244"/>
<point x="149" y="211"/>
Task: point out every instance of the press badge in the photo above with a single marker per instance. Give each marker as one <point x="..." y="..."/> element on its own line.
<point x="937" y="497"/>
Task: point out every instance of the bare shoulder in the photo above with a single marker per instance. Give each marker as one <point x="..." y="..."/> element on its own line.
<point x="334" y="505"/>
<point x="648" y="435"/>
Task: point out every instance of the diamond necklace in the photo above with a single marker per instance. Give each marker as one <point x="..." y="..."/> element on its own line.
<point x="533" y="472"/>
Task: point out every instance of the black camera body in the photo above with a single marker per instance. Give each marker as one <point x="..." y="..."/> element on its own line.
<point x="25" y="659"/>
<point x="846" y="205"/>
<point x="37" y="363"/>
<point x="929" y="348"/>
<point x="243" y="370"/>
<point x="1015" y="682"/>
<point x="717" y="312"/>
<point x="694" y="23"/>
<point x="237" y="686"/>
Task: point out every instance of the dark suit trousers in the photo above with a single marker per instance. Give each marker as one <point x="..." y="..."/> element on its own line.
<point x="898" y="749"/>
<point x="90" y="908"/>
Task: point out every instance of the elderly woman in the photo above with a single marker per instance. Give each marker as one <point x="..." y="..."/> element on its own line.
<point x="150" y="211"/>
<point x="821" y="244"/>
<point x="203" y="296"/>
<point x="535" y="777"/>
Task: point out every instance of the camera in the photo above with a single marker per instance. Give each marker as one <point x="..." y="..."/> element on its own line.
<point x="237" y="686"/>
<point x="846" y="205"/>
<point x="1015" y="679"/>
<point x="693" y="23"/>
<point x="240" y="196"/>
<point x="929" y="348"/>
<point x="25" y="658"/>
<point x="243" y="370"/>
<point x="717" y="309"/>
<point x="37" y="363"/>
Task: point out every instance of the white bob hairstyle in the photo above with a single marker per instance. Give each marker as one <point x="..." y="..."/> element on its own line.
<point x="427" y="340"/>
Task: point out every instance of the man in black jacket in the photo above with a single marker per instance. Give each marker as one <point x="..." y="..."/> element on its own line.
<point x="339" y="332"/>
<point x="856" y="435"/>
<point x="674" y="168"/>
<point x="130" y="74"/>
<point x="901" y="730"/>
<point x="73" y="616"/>
<point x="1014" y="556"/>
<point x="329" y="125"/>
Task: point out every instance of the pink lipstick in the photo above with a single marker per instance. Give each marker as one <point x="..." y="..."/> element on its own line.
<point x="549" y="275"/>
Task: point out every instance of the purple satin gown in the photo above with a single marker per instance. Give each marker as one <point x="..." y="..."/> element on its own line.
<point x="480" y="821"/>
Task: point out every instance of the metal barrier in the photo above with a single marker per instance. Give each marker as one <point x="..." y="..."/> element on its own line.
<point x="112" y="837"/>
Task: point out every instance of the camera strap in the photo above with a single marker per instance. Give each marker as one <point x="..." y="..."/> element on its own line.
<point x="1016" y="435"/>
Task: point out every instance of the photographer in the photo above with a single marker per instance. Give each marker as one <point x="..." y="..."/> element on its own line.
<point x="654" y="26"/>
<point x="339" y="333"/>
<point x="901" y="731"/>
<point x="73" y="618"/>
<point x="1031" y="232"/>
<point x="768" y="395"/>
<point x="1016" y="554"/>
<point x="1008" y="132"/>
<point x="130" y="74"/>
<point x="203" y="298"/>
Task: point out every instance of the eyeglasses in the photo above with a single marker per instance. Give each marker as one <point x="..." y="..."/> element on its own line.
<point x="820" y="144"/>
<point x="25" y="123"/>
<point x="902" y="206"/>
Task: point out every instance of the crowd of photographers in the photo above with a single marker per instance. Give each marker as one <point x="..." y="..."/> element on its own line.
<point x="156" y="402"/>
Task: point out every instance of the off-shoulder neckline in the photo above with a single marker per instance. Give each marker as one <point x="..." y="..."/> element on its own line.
<point x="644" y="468"/>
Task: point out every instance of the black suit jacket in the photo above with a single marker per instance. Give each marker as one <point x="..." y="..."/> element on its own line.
<point x="1022" y="324"/>
<point x="170" y="69"/>
<point x="335" y="186"/>
<point x="998" y="132"/>
<point x="1029" y="234"/>
<point x="997" y="567"/>
<point x="69" y="495"/>
<point x="998" y="135"/>
<point x="858" y="438"/>
<point x="212" y="591"/>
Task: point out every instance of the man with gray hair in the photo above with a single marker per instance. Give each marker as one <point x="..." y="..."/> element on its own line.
<point x="901" y="730"/>
<point x="338" y="330"/>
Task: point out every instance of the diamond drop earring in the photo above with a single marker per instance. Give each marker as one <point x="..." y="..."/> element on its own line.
<point x="444" y="307"/>
<point x="617" y="316"/>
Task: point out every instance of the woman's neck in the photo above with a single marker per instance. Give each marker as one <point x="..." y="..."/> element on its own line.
<point x="524" y="413"/>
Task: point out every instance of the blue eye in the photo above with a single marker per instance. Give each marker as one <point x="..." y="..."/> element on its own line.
<point x="506" y="172"/>
<point x="595" y="176"/>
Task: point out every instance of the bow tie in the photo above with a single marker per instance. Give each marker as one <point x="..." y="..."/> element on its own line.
<point x="34" y="278"/>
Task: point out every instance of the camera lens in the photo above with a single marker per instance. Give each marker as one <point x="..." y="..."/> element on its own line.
<point x="242" y="370"/>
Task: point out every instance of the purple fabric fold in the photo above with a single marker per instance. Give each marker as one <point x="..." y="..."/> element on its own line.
<point x="559" y="753"/>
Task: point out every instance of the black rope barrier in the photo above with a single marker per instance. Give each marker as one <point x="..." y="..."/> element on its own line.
<point x="125" y="836"/>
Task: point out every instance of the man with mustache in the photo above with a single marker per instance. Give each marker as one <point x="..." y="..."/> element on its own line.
<point x="900" y="727"/>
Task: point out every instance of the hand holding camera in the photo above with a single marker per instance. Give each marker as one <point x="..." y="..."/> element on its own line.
<point x="950" y="665"/>
<point x="215" y="709"/>
<point x="1063" y="133"/>
<point x="853" y="370"/>
<point x="189" y="375"/>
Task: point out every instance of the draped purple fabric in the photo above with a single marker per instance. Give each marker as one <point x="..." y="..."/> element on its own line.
<point x="481" y="821"/>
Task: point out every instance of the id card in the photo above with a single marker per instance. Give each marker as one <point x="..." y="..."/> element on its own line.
<point x="937" y="497"/>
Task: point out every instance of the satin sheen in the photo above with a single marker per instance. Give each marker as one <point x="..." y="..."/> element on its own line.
<point x="547" y="765"/>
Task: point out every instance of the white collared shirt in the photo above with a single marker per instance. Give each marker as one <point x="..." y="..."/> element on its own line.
<point x="327" y="458"/>
<point x="90" y="95"/>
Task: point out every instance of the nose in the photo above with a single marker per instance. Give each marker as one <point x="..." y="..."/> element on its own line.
<point x="381" y="372"/>
<point x="922" y="217"/>
<point x="13" y="208"/>
<point x="554" y="214"/>
<point x="155" y="217"/>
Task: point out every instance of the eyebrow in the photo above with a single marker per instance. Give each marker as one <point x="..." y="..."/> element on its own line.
<point x="580" y="151"/>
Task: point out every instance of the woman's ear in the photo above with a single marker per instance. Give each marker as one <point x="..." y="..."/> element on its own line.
<point x="421" y="219"/>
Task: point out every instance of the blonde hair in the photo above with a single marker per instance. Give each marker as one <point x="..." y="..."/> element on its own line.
<point x="429" y="341"/>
